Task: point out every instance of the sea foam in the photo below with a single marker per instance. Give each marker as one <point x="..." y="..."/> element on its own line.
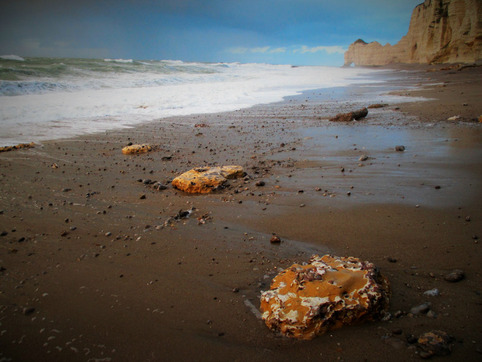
<point x="67" y="97"/>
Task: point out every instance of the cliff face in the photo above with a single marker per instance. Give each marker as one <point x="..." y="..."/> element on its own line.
<point x="441" y="31"/>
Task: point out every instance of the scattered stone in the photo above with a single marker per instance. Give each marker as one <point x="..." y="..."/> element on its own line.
<point x="260" y="183"/>
<point x="455" y="276"/>
<point x="434" y="343"/>
<point x="432" y="292"/>
<point x="363" y="158"/>
<point x="206" y="179"/>
<point x="329" y="292"/>
<point x="136" y="149"/>
<point x="453" y="118"/>
<point x="400" y="148"/>
<point x="421" y="309"/>
<point x="183" y="214"/>
<point x="438" y="187"/>
<point x="275" y="240"/>
<point x="28" y="310"/>
<point x="142" y="197"/>
<point x="159" y="186"/>
<point x="391" y="260"/>
<point x="350" y="116"/>
<point x="377" y="105"/>
<point x="17" y="147"/>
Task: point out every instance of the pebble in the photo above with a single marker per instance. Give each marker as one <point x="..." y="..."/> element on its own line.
<point x="432" y="292"/>
<point x="422" y="308"/>
<point x="434" y="343"/>
<point x="260" y="183"/>
<point x="363" y="158"/>
<point x="28" y="310"/>
<point x="142" y="197"/>
<point x="455" y="276"/>
<point x="400" y="148"/>
<point x="275" y="240"/>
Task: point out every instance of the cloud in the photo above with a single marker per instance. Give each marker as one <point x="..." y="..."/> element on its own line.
<point x="261" y="50"/>
<point x="333" y="49"/>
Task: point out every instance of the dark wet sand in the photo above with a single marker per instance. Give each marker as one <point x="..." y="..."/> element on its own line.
<point x="110" y="278"/>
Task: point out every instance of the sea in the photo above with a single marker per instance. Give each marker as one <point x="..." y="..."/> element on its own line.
<point x="53" y="98"/>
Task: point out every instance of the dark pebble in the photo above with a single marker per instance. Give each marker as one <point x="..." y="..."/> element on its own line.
<point x="28" y="310"/>
<point x="455" y="276"/>
<point x="260" y="183"/>
<point x="142" y="197"/>
<point x="275" y="240"/>
<point x="4" y="233"/>
<point x="391" y="260"/>
<point x="400" y="148"/>
<point x="22" y="239"/>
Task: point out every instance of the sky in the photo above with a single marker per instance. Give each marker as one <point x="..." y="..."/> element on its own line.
<point x="299" y="32"/>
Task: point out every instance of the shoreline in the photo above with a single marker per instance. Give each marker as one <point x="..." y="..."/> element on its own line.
<point x="109" y="275"/>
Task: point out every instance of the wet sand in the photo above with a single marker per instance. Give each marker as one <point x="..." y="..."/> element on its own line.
<point x="94" y="267"/>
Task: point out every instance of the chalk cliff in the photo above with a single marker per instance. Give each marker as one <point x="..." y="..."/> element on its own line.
<point x="441" y="31"/>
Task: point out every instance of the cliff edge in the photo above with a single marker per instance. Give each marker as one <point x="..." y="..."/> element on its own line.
<point x="441" y="31"/>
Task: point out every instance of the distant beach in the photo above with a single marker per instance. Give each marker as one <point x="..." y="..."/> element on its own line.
<point x="96" y="264"/>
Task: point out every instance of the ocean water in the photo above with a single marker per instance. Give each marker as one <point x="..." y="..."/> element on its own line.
<point x="52" y="98"/>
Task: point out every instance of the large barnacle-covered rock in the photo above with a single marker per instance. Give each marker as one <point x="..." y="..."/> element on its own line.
<point x="203" y="180"/>
<point x="136" y="149"/>
<point x="327" y="293"/>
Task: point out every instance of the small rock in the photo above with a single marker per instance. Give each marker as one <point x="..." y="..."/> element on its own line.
<point x="455" y="276"/>
<point x="432" y="292"/>
<point x="108" y="233"/>
<point x="453" y="118"/>
<point x="363" y="158"/>
<point x="260" y="183"/>
<point x="434" y="343"/>
<point x="400" y="148"/>
<point x="142" y="197"/>
<point x="275" y="240"/>
<point x="419" y="309"/>
<point x="28" y="310"/>
<point x="438" y="187"/>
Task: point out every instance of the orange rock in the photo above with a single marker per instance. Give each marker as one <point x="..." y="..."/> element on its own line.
<point x="307" y="300"/>
<point x="203" y="180"/>
<point x="17" y="147"/>
<point x="136" y="149"/>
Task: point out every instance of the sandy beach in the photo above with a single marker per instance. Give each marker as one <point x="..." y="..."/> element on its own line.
<point x="96" y="265"/>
